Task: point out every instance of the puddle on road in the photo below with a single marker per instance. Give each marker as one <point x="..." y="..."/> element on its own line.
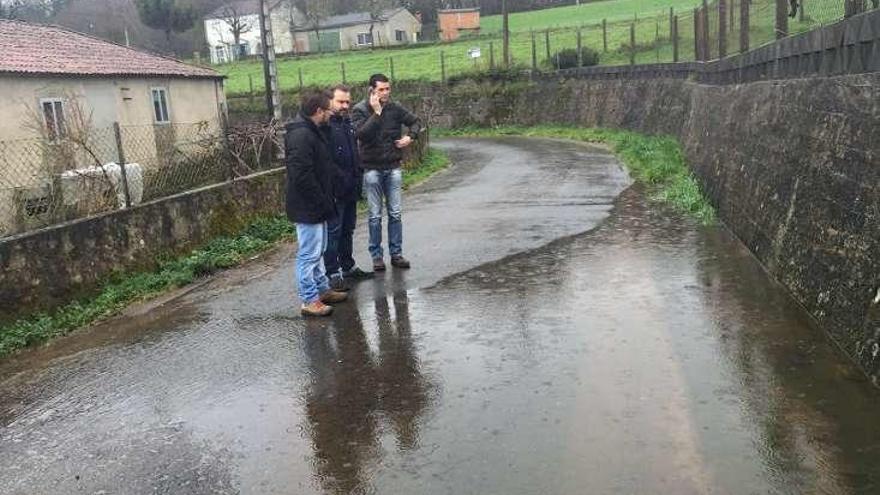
<point x="651" y="355"/>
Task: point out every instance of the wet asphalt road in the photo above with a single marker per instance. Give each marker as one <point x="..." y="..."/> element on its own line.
<point x="557" y="335"/>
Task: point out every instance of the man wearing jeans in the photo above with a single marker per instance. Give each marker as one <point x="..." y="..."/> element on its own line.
<point x="338" y="258"/>
<point x="379" y="122"/>
<point x="310" y="201"/>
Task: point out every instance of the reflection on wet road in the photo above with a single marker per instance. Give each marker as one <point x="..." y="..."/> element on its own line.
<point x="558" y="334"/>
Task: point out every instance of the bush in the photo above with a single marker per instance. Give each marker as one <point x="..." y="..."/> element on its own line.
<point x="568" y="58"/>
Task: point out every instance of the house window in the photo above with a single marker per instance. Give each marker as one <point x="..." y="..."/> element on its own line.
<point x="160" y="105"/>
<point x="220" y="54"/>
<point x="53" y="116"/>
<point x="365" y="39"/>
<point x="400" y="35"/>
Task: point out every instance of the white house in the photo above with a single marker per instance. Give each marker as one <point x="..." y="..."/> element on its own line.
<point x="396" y="26"/>
<point x="244" y="15"/>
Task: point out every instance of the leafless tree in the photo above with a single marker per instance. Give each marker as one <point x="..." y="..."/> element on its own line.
<point x="238" y="24"/>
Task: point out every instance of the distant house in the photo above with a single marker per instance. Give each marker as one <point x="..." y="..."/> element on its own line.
<point x="245" y="16"/>
<point x="350" y="31"/>
<point x="54" y="80"/>
<point x="452" y="23"/>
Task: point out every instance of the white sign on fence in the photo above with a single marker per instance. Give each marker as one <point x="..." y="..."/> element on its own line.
<point x="474" y="52"/>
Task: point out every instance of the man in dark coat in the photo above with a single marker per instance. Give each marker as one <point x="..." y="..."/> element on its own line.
<point x="341" y="137"/>
<point x="379" y="123"/>
<point x="310" y="203"/>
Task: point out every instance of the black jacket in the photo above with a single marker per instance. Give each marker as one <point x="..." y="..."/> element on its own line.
<point x="377" y="133"/>
<point x="344" y="152"/>
<point x="310" y="173"/>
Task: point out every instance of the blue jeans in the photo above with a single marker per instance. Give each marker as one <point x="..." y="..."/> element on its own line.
<point x="338" y="257"/>
<point x="312" y="241"/>
<point x="379" y="184"/>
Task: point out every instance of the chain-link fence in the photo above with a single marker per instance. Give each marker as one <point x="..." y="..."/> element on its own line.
<point x="53" y="179"/>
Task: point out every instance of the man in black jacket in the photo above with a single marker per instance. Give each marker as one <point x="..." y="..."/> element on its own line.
<point x="341" y="137"/>
<point x="379" y="122"/>
<point x="310" y="202"/>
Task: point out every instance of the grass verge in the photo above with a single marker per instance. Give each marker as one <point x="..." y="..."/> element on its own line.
<point x="121" y="290"/>
<point x="655" y="161"/>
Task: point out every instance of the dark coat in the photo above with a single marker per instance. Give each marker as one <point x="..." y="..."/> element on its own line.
<point x="377" y="133"/>
<point x="344" y="152"/>
<point x="310" y="173"/>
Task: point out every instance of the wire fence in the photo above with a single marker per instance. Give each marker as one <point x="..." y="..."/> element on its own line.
<point x="46" y="181"/>
<point x="646" y="37"/>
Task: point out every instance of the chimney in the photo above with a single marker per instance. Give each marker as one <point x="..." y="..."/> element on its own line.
<point x="418" y="15"/>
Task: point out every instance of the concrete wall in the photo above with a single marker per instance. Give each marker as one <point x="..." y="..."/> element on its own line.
<point x="793" y="167"/>
<point x="46" y="268"/>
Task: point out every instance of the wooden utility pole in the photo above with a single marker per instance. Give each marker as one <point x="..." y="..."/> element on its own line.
<point x="506" y="27"/>
<point x="270" y="70"/>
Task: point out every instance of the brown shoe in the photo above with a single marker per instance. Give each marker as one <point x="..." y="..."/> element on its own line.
<point x="316" y="308"/>
<point x="332" y="297"/>
<point x="399" y="262"/>
<point x="378" y="265"/>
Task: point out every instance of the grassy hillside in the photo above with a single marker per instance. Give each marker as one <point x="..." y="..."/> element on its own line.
<point x="423" y="61"/>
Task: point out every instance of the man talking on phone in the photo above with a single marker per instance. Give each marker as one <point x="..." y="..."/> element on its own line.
<point x="379" y="124"/>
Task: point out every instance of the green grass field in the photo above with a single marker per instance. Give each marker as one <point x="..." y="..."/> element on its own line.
<point x="587" y="13"/>
<point x="423" y="61"/>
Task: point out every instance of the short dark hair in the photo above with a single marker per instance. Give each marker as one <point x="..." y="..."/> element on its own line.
<point x="312" y="102"/>
<point x="377" y="78"/>
<point x="340" y="87"/>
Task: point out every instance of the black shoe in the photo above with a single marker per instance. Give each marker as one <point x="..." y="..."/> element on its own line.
<point x="338" y="284"/>
<point x="356" y="274"/>
<point x="378" y="265"/>
<point x="399" y="262"/>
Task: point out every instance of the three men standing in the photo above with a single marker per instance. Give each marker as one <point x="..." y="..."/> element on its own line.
<point x="325" y="154"/>
<point x="379" y="121"/>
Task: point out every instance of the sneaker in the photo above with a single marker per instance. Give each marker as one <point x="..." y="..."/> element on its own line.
<point x="331" y="296"/>
<point x="316" y="308"/>
<point x="378" y="265"/>
<point x="399" y="262"/>
<point x="356" y="274"/>
<point x="339" y="284"/>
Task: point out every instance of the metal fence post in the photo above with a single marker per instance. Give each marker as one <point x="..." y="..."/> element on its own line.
<point x="547" y="42"/>
<point x="604" y="35"/>
<point x="697" y="33"/>
<point x="391" y="63"/>
<point x="671" y="21"/>
<point x="722" y="28"/>
<point x="675" y="38"/>
<point x="442" y="67"/>
<point x="251" y="84"/>
<point x="491" y="56"/>
<point x="632" y="44"/>
<point x="300" y="80"/>
<point x="704" y="24"/>
<point x="342" y="64"/>
<point x="580" y="49"/>
<point x="120" y="157"/>
<point x="744" y="26"/>
<point x="534" y="53"/>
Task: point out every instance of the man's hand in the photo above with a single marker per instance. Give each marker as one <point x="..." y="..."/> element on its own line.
<point x="375" y="103"/>
<point x="403" y="142"/>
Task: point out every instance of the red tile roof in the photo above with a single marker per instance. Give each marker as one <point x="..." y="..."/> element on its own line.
<point x="27" y="48"/>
